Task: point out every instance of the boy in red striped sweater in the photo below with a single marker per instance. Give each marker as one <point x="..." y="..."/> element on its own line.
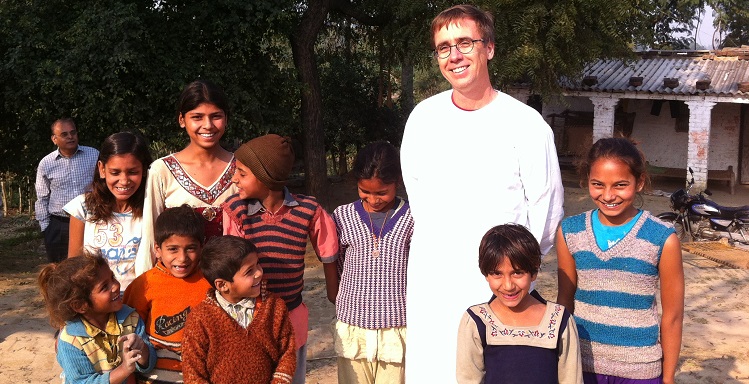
<point x="279" y="224"/>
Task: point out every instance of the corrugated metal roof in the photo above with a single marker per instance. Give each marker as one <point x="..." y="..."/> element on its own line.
<point x="724" y="71"/>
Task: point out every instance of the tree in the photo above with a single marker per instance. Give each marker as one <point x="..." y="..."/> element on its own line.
<point x="302" y="44"/>
<point x="540" y="42"/>
<point x="121" y="64"/>
<point x="359" y="58"/>
<point x="66" y="59"/>
<point x="732" y="21"/>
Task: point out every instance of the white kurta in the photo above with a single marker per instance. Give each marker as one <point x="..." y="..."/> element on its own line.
<point x="466" y="172"/>
<point x="164" y="190"/>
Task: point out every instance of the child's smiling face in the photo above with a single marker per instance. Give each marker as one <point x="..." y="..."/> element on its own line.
<point x="510" y="285"/>
<point x="376" y="195"/>
<point x="123" y="175"/>
<point x="180" y="255"/>
<point x="246" y="281"/>
<point x="104" y="299"/>
<point x="205" y="125"/>
<point x="613" y="188"/>
<point x="248" y="186"/>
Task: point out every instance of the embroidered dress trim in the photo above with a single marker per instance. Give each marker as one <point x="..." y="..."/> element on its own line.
<point x="208" y="196"/>
<point x="543" y="335"/>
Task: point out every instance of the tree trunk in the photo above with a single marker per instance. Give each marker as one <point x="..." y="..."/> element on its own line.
<point x="5" y="200"/>
<point x="381" y="77"/>
<point x="342" y="160"/>
<point x="407" y="85"/>
<point x="303" y="48"/>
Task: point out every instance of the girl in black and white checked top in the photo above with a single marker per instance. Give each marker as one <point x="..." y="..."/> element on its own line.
<point x="375" y="237"/>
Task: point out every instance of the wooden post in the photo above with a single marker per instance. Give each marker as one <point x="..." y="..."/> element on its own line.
<point x="5" y="200"/>
<point x="27" y="183"/>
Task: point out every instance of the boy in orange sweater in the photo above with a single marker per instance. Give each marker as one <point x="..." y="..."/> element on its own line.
<point x="239" y="333"/>
<point x="164" y="295"/>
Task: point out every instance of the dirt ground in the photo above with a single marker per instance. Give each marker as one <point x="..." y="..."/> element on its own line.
<point x="716" y="321"/>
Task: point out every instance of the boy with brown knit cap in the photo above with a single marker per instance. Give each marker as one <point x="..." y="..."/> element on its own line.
<point x="279" y="224"/>
<point x="239" y="333"/>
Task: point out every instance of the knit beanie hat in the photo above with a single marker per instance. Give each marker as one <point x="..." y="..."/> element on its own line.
<point x="270" y="159"/>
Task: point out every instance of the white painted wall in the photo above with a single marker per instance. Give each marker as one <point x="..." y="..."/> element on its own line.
<point x="656" y="136"/>
<point x="724" y="136"/>
<point x="665" y="147"/>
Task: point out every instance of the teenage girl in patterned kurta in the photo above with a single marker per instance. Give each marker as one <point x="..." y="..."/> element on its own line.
<point x="612" y="261"/>
<point x="199" y="175"/>
<point x="375" y="237"/>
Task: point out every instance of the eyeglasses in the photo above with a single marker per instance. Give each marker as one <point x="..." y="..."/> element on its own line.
<point x="68" y="134"/>
<point x="464" y="46"/>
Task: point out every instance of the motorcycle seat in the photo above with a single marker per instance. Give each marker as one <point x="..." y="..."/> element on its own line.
<point x="733" y="211"/>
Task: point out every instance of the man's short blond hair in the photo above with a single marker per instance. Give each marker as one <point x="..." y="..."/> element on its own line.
<point x="483" y="19"/>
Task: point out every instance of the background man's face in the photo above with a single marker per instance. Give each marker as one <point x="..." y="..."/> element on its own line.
<point x="65" y="137"/>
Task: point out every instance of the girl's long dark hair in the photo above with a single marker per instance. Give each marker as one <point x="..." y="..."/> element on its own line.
<point x="615" y="148"/>
<point x="100" y="201"/>
<point x="199" y="92"/>
<point x="378" y="159"/>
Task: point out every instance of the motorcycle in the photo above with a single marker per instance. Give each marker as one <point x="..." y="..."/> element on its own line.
<point x="697" y="218"/>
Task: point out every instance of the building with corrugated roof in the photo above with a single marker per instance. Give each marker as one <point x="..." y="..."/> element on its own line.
<point x="684" y="108"/>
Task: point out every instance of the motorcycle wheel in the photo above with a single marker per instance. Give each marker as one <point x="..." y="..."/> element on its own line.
<point x="681" y="232"/>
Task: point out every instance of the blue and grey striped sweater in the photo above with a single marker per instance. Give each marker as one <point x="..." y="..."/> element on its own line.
<point x="615" y="301"/>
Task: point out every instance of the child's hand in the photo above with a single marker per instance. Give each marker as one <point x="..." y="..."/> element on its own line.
<point x="132" y="341"/>
<point x="131" y="352"/>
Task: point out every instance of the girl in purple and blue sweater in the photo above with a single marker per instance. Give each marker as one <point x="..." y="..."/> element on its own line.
<point x="375" y="237"/>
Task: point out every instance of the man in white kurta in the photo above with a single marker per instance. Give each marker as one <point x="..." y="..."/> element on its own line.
<point x="472" y="158"/>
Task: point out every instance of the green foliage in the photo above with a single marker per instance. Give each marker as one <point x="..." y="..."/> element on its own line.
<point x="669" y="19"/>
<point x="121" y="64"/>
<point x="732" y="19"/>
<point x="117" y="65"/>
<point x="539" y="42"/>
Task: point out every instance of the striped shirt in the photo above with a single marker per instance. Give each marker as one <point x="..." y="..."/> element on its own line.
<point x="372" y="292"/>
<point x="281" y="239"/>
<point x="615" y="307"/>
<point x="60" y="179"/>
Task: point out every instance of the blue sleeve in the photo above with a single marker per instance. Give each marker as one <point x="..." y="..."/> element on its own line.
<point x="76" y="366"/>
<point x="140" y="330"/>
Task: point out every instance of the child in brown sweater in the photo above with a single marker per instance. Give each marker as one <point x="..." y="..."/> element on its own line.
<point x="239" y="333"/>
